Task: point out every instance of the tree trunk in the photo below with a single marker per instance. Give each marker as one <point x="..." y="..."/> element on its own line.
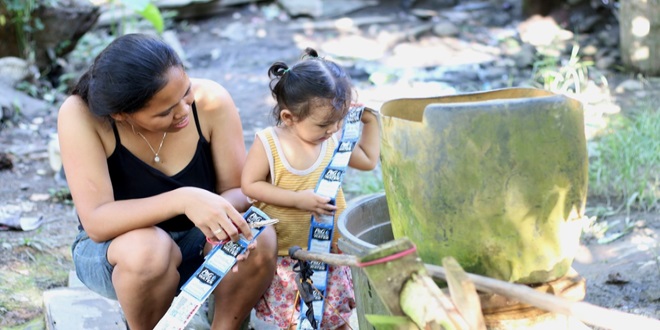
<point x="640" y="35"/>
<point x="63" y="26"/>
<point x="536" y="7"/>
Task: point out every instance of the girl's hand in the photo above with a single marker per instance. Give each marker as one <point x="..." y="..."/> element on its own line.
<point x="310" y="201"/>
<point x="214" y="215"/>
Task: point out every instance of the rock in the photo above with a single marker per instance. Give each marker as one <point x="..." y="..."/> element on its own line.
<point x="629" y="85"/>
<point x="6" y="162"/>
<point x="653" y="294"/>
<point x="587" y="24"/>
<point x="457" y="17"/>
<point x="320" y="8"/>
<point x="499" y="18"/>
<point x="355" y="47"/>
<point x="179" y="3"/>
<point x="171" y="38"/>
<point x="13" y="102"/>
<point x="526" y="56"/>
<point x="589" y="50"/>
<point x="538" y="31"/>
<point x="80" y="308"/>
<point x="609" y="38"/>
<point x="606" y="62"/>
<point x="445" y="29"/>
<point x="14" y="70"/>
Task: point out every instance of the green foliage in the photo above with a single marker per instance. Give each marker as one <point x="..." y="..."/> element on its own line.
<point x="625" y="164"/>
<point x="568" y="77"/>
<point x="388" y="322"/>
<point x="359" y="183"/>
<point x="19" y="14"/>
<point x="147" y="10"/>
<point x="61" y="195"/>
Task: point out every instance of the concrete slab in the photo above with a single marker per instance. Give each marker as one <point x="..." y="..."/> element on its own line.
<point x="74" y="282"/>
<point x="80" y="308"/>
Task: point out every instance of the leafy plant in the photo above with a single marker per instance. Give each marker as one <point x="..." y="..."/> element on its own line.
<point x="61" y="195"/>
<point x="360" y="183"/>
<point x="626" y="161"/>
<point x="147" y="10"/>
<point x="569" y="77"/>
<point x="19" y="14"/>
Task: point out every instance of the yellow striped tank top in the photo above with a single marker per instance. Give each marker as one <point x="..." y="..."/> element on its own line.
<point x="293" y="228"/>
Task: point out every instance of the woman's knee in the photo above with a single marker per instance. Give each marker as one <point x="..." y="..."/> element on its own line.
<point x="266" y="249"/>
<point x="149" y="252"/>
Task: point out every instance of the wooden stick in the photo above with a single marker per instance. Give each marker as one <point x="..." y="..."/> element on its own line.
<point x="588" y="313"/>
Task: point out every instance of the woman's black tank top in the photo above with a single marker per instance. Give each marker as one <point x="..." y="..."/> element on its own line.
<point x="132" y="178"/>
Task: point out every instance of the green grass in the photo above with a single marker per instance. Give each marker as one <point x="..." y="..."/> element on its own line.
<point x="359" y="183"/>
<point x="23" y="284"/>
<point x="625" y="165"/>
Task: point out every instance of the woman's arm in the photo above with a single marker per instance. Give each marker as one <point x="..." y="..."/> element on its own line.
<point x="366" y="154"/>
<point x="84" y="158"/>
<point x="219" y="113"/>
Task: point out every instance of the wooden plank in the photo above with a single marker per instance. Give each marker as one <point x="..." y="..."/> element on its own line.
<point x="430" y="309"/>
<point x="80" y="308"/>
<point x="389" y="277"/>
<point x="464" y="294"/>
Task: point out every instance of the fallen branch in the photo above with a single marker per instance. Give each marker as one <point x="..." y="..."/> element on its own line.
<point x="588" y="313"/>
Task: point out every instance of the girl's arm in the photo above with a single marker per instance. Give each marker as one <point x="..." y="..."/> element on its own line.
<point x="254" y="183"/>
<point x="366" y="153"/>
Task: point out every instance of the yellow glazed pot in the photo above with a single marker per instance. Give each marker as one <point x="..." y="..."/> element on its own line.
<point x="496" y="179"/>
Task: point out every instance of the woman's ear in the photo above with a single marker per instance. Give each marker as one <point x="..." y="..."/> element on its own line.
<point x="118" y="116"/>
<point x="287" y="117"/>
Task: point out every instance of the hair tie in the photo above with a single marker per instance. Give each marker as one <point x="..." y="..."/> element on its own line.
<point x="285" y="71"/>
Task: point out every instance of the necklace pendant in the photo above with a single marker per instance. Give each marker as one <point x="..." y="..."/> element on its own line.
<point x="157" y="159"/>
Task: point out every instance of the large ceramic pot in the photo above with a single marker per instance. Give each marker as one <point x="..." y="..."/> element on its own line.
<point x="497" y="179"/>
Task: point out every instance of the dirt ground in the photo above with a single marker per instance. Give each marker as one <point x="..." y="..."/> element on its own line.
<point x="622" y="275"/>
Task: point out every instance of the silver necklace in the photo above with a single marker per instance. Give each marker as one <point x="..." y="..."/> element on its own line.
<point x="156" y="157"/>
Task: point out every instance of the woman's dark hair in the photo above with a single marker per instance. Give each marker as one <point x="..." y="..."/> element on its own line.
<point x="126" y="74"/>
<point x="308" y="83"/>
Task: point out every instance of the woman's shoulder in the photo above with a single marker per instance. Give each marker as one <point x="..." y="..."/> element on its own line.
<point x="75" y="109"/>
<point x="210" y="96"/>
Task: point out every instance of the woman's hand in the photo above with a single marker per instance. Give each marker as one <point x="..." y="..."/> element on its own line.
<point x="214" y="215"/>
<point x="243" y="256"/>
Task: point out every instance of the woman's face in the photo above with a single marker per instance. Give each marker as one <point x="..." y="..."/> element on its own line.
<point x="169" y="109"/>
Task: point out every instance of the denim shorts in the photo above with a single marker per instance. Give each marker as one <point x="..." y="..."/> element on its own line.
<point x="93" y="269"/>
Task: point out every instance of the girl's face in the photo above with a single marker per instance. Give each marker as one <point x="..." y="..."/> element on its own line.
<point x="318" y="126"/>
<point x="169" y="109"/>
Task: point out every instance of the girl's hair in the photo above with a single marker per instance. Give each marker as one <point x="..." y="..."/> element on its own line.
<point x="308" y="83"/>
<point x="126" y="75"/>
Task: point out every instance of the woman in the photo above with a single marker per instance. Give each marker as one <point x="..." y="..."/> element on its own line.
<point x="153" y="160"/>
